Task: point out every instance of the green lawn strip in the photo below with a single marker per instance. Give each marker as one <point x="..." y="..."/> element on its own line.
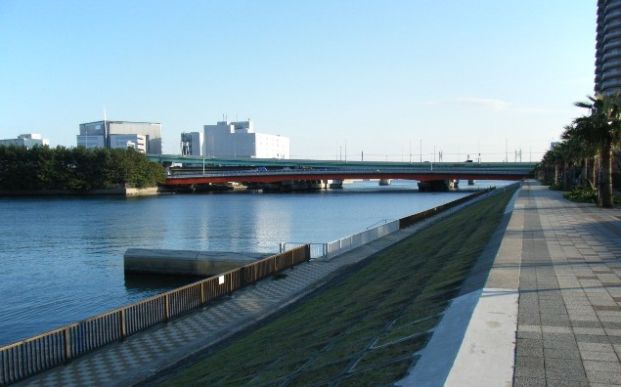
<point x="383" y="301"/>
<point x="440" y="290"/>
<point x="379" y="376"/>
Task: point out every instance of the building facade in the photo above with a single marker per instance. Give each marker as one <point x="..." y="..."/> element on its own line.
<point x="135" y="141"/>
<point x="192" y="143"/>
<point x="239" y="140"/>
<point x="608" y="48"/>
<point x="26" y="140"/>
<point x="143" y="136"/>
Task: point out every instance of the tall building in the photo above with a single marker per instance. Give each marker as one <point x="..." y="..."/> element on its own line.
<point x="192" y="143"/>
<point x="238" y="140"/>
<point x="608" y="47"/>
<point x="27" y="140"/>
<point x="145" y="137"/>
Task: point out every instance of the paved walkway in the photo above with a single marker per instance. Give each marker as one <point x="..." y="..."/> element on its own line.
<point x="549" y="313"/>
<point x="142" y="355"/>
<point x="569" y="317"/>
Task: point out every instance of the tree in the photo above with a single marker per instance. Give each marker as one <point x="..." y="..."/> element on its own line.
<point x="77" y="169"/>
<point x="602" y="128"/>
<point x="581" y="153"/>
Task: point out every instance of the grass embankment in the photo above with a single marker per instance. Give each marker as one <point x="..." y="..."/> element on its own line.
<point x="366" y="327"/>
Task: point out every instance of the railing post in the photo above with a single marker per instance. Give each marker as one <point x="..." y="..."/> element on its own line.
<point x="202" y="292"/>
<point x="166" y="307"/>
<point x="122" y="323"/>
<point x="307" y="251"/>
<point x="67" y="343"/>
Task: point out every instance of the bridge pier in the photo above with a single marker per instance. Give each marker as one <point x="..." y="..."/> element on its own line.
<point x="438" y="185"/>
<point x="291" y="186"/>
<point x="335" y="184"/>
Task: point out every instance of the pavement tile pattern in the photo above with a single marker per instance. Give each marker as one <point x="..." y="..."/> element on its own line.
<point x="569" y="313"/>
<point x="142" y="355"/>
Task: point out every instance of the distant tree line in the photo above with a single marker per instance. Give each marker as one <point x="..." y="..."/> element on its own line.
<point x="588" y="159"/>
<point x="42" y="168"/>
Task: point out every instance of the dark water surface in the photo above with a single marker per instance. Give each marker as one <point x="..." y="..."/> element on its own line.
<point x="61" y="259"/>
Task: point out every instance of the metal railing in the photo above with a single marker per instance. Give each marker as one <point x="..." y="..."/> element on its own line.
<point x="331" y="249"/>
<point x="317" y="250"/>
<point x="39" y="353"/>
<point x="415" y="218"/>
<point x="350" y="242"/>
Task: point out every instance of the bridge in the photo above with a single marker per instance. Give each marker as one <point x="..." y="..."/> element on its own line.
<point x="198" y="171"/>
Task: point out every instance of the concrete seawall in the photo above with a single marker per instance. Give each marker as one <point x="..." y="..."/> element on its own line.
<point x="185" y="262"/>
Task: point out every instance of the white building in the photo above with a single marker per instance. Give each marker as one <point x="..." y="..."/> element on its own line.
<point x="239" y="140"/>
<point x="101" y="134"/>
<point x="28" y="140"/>
<point x="192" y="143"/>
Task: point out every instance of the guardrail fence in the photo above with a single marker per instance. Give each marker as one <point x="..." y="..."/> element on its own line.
<point x="28" y="357"/>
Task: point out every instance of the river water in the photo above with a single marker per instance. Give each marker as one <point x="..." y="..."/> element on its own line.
<point x="61" y="259"/>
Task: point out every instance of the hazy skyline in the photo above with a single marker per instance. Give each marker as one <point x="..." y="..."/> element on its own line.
<point x="378" y="77"/>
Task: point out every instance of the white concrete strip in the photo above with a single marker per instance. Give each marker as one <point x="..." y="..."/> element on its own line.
<point x="486" y="356"/>
<point x="474" y="343"/>
<point x="433" y="368"/>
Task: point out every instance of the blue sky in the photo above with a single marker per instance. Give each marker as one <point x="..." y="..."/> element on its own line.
<point x="374" y="76"/>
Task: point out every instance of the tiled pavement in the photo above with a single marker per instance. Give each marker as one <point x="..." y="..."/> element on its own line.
<point x="142" y="355"/>
<point x="569" y="313"/>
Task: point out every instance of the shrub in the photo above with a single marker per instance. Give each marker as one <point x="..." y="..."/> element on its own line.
<point x="582" y="195"/>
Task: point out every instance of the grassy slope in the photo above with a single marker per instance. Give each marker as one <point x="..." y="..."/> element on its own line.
<point x="366" y="327"/>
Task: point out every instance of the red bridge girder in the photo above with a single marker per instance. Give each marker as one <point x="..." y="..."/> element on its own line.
<point x="267" y="178"/>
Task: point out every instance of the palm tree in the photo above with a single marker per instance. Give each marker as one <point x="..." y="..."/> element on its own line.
<point x="602" y="128"/>
<point x="556" y="164"/>
<point x="581" y="153"/>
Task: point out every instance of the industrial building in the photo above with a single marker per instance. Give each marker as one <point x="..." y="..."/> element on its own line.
<point x="608" y="47"/>
<point x="192" y="143"/>
<point x="27" y="140"/>
<point x="145" y="137"/>
<point x="239" y="140"/>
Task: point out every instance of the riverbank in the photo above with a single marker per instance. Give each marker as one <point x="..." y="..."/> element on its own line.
<point x="163" y="346"/>
<point x="365" y="326"/>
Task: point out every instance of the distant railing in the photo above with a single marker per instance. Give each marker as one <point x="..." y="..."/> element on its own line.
<point x="350" y="242"/>
<point x="28" y="357"/>
<point x="331" y="249"/>
<point x="413" y="219"/>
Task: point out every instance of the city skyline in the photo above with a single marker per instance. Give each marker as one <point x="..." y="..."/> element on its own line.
<point x="356" y="76"/>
